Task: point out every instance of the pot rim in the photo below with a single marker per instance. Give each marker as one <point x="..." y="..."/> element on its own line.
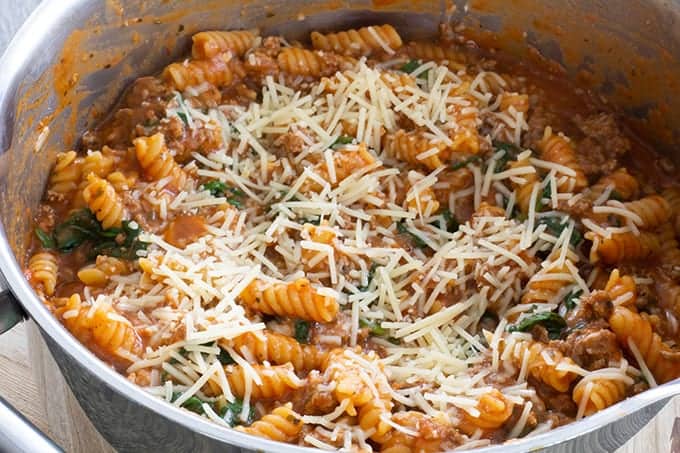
<point x="18" y="54"/>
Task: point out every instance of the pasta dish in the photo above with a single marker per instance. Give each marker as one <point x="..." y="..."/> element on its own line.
<point x="366" y="244"/>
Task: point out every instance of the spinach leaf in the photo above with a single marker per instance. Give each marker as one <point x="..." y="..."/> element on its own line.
<point x="572" y="298"/>
<point x="183" y="117"/>
<point x="231" y="413"/>
<point x="371" y="275"/>
<point x="552" y="322"/>
<point x="194" y="404"/>
<point x="45" y="239"/>
<point x="342" y="140"/>
<point x="376" y="329"/>
<point x="555" y="225"/>
<point x="417" y="241"/>
<point x="510" y="151"/>
<point x="411" y="66"/>
<point x="465" y="162"/>
<point x="452" y="224"/>
<point x="302" y="331"/>
<point x="218" y="188"/>
<point x="614" y="195"/>
<point x="225" y="358"/>
<point x="82" y="226"/>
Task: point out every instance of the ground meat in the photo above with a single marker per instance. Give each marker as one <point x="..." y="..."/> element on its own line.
<point x="596" y="306"/>
<point x="314" y="399"/>
<point x="554" y="400"/>
<point x="598" y="152"/>
<point x="592" y="348"/>
<point x="184" y="141"/>
<point x="539" y="119"/>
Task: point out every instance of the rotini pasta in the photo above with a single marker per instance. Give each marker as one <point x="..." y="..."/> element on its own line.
<point x="415" y="149"/>
<point x="279" y="350"/>
<point x="297" y="61"/>
<point x="630" y="327"/>
<point x="556" y="148"/>
<point x="621" y="247"/>
<point x="364" y="41"/>
<point x="108" y="331"/>
<point x="66" y="173"/>
<point x="653" y="211"/>
<point x="221" y="70"/>
<point x="297" y="298"/>
<point x="282" y="424"/>
<point x="208" y="44"/>
<point x="43" y="270"/>
<point x="103" y="200"/>
<point x="601" y="394"/>
<point x="156" y="161"/>
<point x="274" y="381"/>
<point x="494" y="410"/>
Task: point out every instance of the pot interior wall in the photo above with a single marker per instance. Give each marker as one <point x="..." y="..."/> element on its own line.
<point x="79" y="64"/>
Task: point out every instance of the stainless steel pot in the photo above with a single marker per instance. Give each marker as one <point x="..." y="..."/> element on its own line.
<point x="72" y="57"/>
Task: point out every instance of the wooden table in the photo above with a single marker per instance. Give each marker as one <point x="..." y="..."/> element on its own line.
<point x="30" y="380"/>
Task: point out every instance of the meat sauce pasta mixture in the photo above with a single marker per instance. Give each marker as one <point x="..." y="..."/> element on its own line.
<point x="366" y="244"/>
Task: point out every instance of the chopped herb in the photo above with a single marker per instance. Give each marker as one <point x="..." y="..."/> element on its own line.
<point x="555" y="225"/>
<point x="225" y="358"/>
<point x="231" y="413"/>
<point x="572" y="299"/>
<point x="194" y="404"/>
<point x="313" y="221"/>
<point x="46" y="240"/>
<point x="302" y="331"/>
<point x="545" y="194"/>
<point x="452" y="224"/>
<point x="417" y="240"/>
<point x="82" y="226"/>
<point x="614" y="195"/>
<point x="124" y="242"/>
<point x="614" y="220"/>
<point x="215" y="187"/>
<point x="183" y="117"/>
<point x="220" y="189"/>
<point x="373" y="327"/>
<point x="552" y="322"/>
<point x="371" y="275"/>
<point x="465" y="162"/>
<point x="411" y="66"/>
<point x="510" y="151"/>
<point x="342" y="140"/>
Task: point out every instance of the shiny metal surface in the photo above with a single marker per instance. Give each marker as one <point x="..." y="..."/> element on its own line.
<point x="130" y="419"/>
<point x="19" y="435"/>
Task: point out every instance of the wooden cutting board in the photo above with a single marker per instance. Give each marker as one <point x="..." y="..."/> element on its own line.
<point x="30" y="380"/>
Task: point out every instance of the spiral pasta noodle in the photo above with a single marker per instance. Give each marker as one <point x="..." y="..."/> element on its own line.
<point x="494" y="410"/>
<point x="43" y="269"/>
<point x="344" y="163"/>
<point x="653" y="210"/>
<point x="621" y="182"/>
<point x="672" y="196"/>
<point x="208" y="44"/>
<point x="603" y="393"/>
<point x="408" y="147"/>
<point x="621" y="288"/>
<point x="295" y="299"/>
<point x="533" y="352"/>
<point x="524" y="189"/>
<point x="428" y="51"/>
<point x="156" y="161"/>
<point x="621" y="247"/>
<point x="556" y="148"/>
<point x="630" y="326"/>
<point x="279" y="350"/>
<point x="101" y="326"/>
<point x="361" y="42"/>
<point x="103" y="200"/>
<point x="276" y="380"/>
<point x="429" y="434"/>
<point x="282" y="424"/>
<point x="220" y="71"/>
<point x="298" y="61"/>
<point x="66" y="173"/>
<point x="542" y="289"/>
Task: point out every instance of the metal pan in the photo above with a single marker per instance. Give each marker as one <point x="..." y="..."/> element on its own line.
<point x="72" y="58"/>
